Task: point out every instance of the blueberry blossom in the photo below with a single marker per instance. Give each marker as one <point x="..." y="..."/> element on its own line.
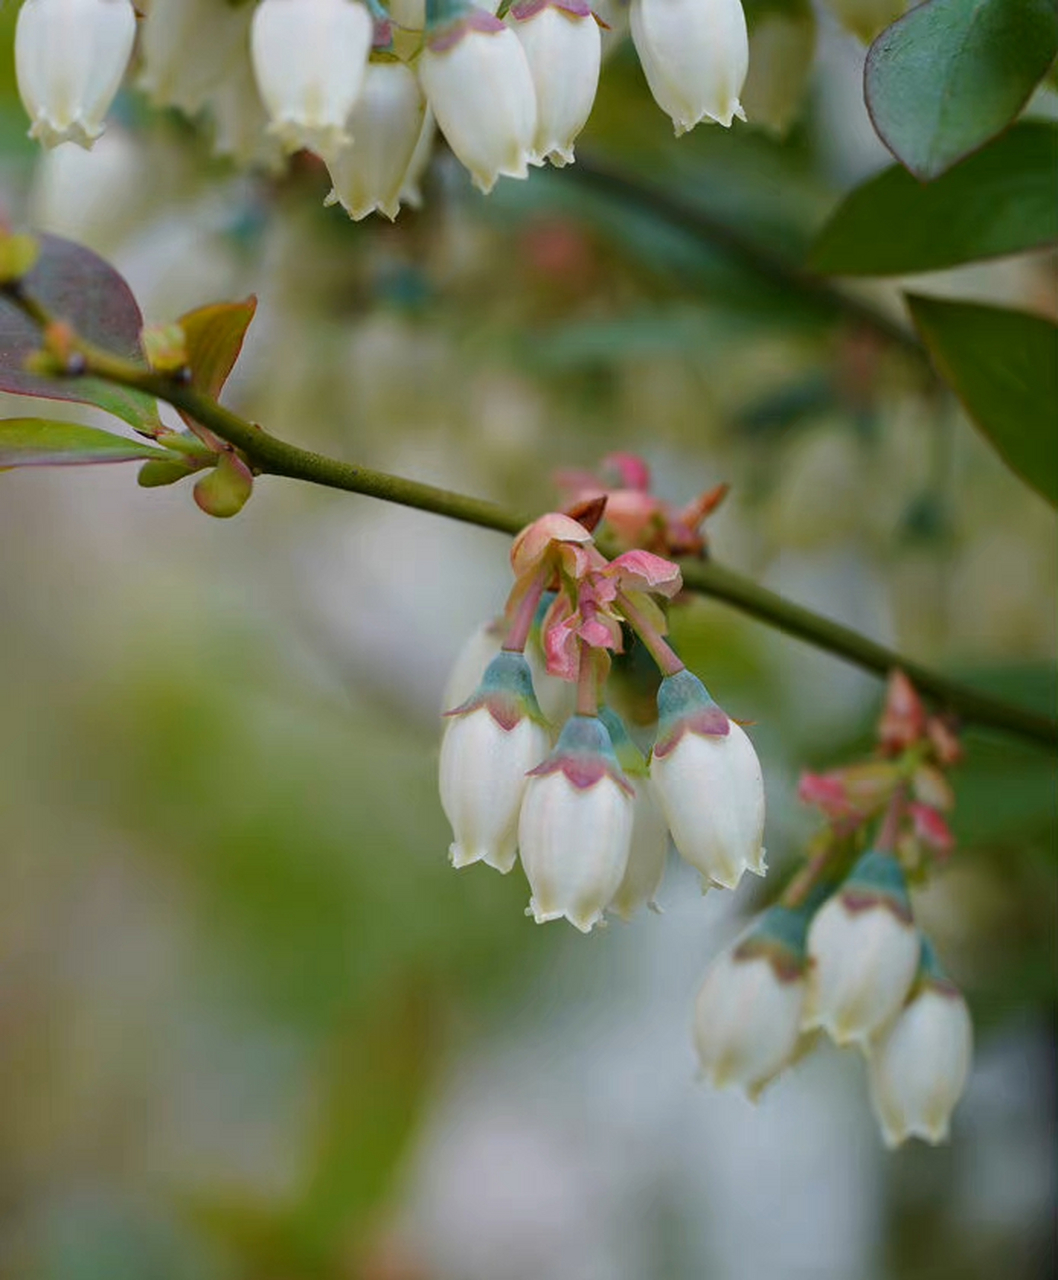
<point x="70" y="57"/>
<point x="747" y="1017"/>
<point x="490" y="743"/>
<point x="920" y="1061"/>
<point x="864" y="951"/>
<point x="708" y="781"/>
<point x="575" y="827"/>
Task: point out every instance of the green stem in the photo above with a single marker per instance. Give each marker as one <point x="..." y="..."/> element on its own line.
<point x="712" y="579"/>
<point x="668" y="661"/>
<point x="269" y="455"/>
<point x="525" y="613"/>
<point x="587" y="682"/>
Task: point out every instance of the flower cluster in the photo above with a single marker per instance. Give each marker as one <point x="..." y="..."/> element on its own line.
<point x="365" y="86"/>
<point x="536" y="761"/>
<point x="840" y="952"/>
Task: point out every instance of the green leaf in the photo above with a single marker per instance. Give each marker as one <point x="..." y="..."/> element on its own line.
<point x="950" y="75"/>
<point x="1002" y="200"/>
<point x="78" y="286"/>
<point x="40" y="442"/>
<point x="1003" y="366"/>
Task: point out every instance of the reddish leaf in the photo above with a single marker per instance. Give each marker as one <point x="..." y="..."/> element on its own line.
<point x="214" y="337"/>
<point x="77" y="286"/>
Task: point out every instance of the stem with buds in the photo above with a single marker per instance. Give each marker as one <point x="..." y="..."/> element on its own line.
<point x="269" y="455"/>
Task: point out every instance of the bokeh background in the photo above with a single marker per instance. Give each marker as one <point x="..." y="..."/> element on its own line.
<point x="252" y="1026"/>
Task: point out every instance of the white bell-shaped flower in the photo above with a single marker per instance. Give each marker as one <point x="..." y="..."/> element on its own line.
<point x="70" y="57"/>
<point x="309" y="58"/>
<point x="576" y="826"/>
<point x="708" y="782"/>
<point x="649" y="849"/>
<point x="747" y="1017"/>
<point x="368" y="173"/>
<point x="864" y="951"/>
<point x="557" y="697"/>
<point x="188" y="48"/>
<point x="240" y="121"/>
<point x="647" y="855"/>
<point x="920" y="1062"/>
<point x="490" y="744"/>
<point x="478" y="84"/>
<point x="478" y="650"/>
<point x="411" y="188"/>
<point x="564" y="50"/>
<point x="782" y="47"/>
<point x="695" y="54"/>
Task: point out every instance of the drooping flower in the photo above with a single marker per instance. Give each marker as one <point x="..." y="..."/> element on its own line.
<point x="369" y="171"/>
<point x="70" y="57"/>
<point x="695" y="54"/>
<point x="708" y="782"/>
<point x="309" y="58"/>
<point x="562" y="45"/>
<point x="919" y="1063"/>
<point x="490" y="744"/>
<point x="864" y="950"/>
<point x="476" y="78"/>
<point x="747" y="1017"/>
<point x="473" y="658"/>
<point x="649" y="848"/>
<point x="410" y="188"/>
<point x="188" y="48"/>
<point x="782" y="47"/>
<point x="575" y="826"/>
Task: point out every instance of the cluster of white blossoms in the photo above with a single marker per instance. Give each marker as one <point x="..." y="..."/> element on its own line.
<point x="536" y="764"/>
<point x="858" y="969"/>
<point x="841" y="955"/>
<point x="568" y="790"/>
<point x="365" y="86"/>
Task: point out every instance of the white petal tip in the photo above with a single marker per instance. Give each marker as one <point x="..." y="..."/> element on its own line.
<point x="460" y="858"/>
<point x="584" y="923"/>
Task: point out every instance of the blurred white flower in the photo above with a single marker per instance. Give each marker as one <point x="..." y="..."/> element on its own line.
<point x="95" y="197"/>
<point x="557" y="697"/>
<point x="708" y="783"/>
<point x="747" y="1017"/>
<point x="564" y="50"/>
<point x="647" y="854"/>
<point x="864" y="952"/>
<point x="866" y="18"/>
<point x="920" y="1062"/>
<point x="782" y="46"/>
<point x="488" y="748"/>
<point x="477" y="652"/>
<point x="309" y="58"/>
<point x="369" y="171"/>
<point x="70" y="57"/>
<point x="187" y="48"/>
<point x="478" y="84"/>
<point x="411" y="191"/>
<point x="695" y="54"/>
<point x="576" y="826"/>
<point x="240" y="121"/>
